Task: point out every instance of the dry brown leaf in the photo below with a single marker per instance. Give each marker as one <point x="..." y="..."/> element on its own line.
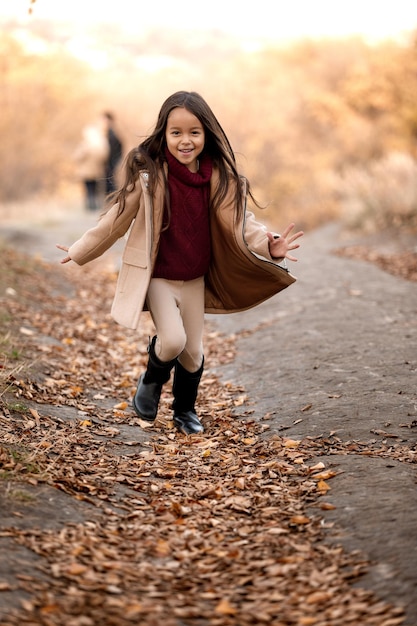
<point x="225" y="608"/>
<point x="240" y="482"/>
<point x="324" y="475"/>
<point x="291" y="443"/>
<point x="121" y="406"/>
<point x="299" y="519"/>
<point x="327" y="506"/>
<point x="75" y="569"/>
<point x="318" y="466"/>
<point x="322" y="486"/>
<point x="318" y="597"/>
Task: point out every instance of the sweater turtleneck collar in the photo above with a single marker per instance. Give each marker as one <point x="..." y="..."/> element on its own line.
<point x="183" y="174"/>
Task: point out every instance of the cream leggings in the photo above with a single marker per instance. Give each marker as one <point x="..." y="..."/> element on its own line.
<point x="177" y="310"/>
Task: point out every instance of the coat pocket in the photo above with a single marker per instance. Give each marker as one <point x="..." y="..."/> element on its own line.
<point x="134" y="256"/>
<point x="133" y="270"/>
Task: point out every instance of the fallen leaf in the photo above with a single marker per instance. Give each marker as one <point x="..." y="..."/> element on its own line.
<point x="225" y="608"/>
<point x="121" y="406"/>
<point x="299" y="519"/>
<point x="291" y="443"/>
<point x="325" y="475"/>
<point x="318" y="466"/>
<point x="322" y="486"/>
<point x="75" y="569"/>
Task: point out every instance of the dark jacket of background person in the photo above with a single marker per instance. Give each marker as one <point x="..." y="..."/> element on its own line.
<point x="115" y="153"/>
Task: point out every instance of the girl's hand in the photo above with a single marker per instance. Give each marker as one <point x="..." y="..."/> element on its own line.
<point x="65" y="249"/>
<point x="279" y="247"/>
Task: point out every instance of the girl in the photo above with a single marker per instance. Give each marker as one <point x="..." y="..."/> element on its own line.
<point x="192" y="248"/>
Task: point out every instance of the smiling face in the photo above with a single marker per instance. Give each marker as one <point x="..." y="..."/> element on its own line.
<point x="185" y="137"/>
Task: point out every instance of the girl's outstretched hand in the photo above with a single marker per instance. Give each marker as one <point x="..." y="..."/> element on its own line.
<point x="65" y="249"/>
<point x="279" y="247"/>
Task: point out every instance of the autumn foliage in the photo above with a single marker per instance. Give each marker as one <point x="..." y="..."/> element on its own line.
<point x="322" y="129"/>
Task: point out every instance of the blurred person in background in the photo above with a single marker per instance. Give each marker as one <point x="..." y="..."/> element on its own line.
<point x="115" y="151"/>
<point x="91" y="158"/>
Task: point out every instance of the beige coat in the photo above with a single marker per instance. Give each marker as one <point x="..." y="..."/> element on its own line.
<point x="92" y="154"/>
<point x="242" y="273"/>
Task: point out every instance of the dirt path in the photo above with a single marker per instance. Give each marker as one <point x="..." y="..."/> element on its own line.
<point x="335" y="356"/>
<point x="337" y="353"/>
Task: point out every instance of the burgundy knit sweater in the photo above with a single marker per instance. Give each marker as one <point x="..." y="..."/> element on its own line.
<point x="184" y="248"/>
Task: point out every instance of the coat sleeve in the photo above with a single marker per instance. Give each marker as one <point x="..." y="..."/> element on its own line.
<point x="108" y="230"/>
<point x="255" y="236"/>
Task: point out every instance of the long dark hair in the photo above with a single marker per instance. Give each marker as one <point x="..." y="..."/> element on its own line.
<point x="150" y="154"/>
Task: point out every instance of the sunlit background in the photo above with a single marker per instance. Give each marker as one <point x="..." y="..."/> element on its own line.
<point x="266" y="20"/>
<point x="318" y="98"/>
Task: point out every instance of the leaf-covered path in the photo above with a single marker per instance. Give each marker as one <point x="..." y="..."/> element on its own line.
<point x="339" y="363"/>
<point x="105" y="523"/>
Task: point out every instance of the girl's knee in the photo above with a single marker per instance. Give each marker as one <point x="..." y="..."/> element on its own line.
<point x="191" y="361"/>
<point x="169" y="348"/>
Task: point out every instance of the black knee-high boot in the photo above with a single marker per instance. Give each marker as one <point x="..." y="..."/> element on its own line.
<point x="184" y="389"/>
<point x="146" y="399"/>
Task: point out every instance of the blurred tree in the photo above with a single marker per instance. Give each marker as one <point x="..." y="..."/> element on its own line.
<point x="41" y="97"/>
<point x="298" y="117"/>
